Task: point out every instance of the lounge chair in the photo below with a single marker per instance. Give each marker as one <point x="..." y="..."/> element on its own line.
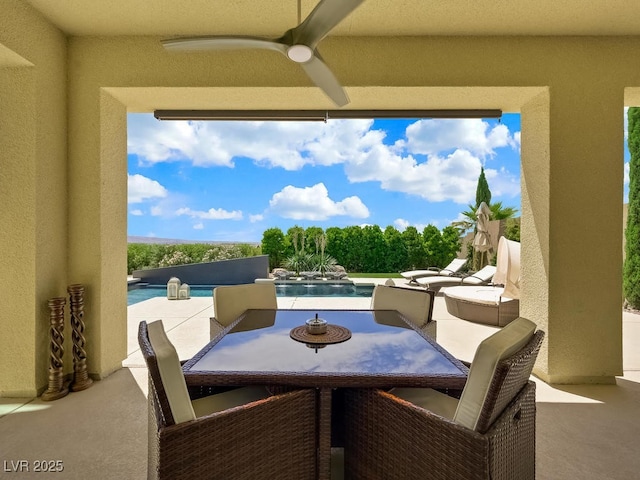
<point x="481" y="277"/>
<point x="496" y="304"/>
<point x="482" y="304"/>
<point x="453" y="267"/>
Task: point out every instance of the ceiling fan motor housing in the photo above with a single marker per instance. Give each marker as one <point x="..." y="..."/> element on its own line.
<point x="299" y="53"/>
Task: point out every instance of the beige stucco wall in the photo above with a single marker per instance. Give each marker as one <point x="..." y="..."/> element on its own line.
<point x="33" y="192"/>
<point x="570" y="91"/>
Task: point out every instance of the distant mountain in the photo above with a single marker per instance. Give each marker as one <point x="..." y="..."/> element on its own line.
<point x="175" y="241"/>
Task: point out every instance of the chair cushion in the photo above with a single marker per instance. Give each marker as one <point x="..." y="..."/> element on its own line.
<point x="416" y="305"/>
<point x="232" y="398"/>
<point x="498" y="346"/>
<point x="229" y="301"/>
<point x="480" y="277"/>
<point x="429" y="399"/>
<point x="484" y="295"/>
<point x="171" y="373"/>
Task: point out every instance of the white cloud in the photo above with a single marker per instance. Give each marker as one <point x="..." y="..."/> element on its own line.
<point x="289" y="145"/>
<point x="502" y="182"/>
<point x="516" y="138"/>
<point x="454" y="152"/>
<point x="141" y="188"/>
<point x="211" y="214"/>
<point x="198" y="226"/>
<point x="256" y="218"/>
<point x="438" y="160"/>
<point x="313" y="203"/>
<point x="438" y="179"/>
<point x="627" y="167"/>
<point x="401" y="225"/>
<point x="137" y="212"/>
<point x="433" y="136"/>
<point x="156" y="211"/>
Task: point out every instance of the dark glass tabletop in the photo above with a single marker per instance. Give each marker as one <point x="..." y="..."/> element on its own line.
<point x="383" y="350"/>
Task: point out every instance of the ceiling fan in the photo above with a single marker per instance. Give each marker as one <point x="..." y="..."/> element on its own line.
<point x="298" y="44"/>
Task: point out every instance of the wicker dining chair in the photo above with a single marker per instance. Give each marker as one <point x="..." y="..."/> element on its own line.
<point x="229" y="301"/>
<point x="489" y="433"/>
<point x="416" y="305"/>
<point x="239" y="433"/>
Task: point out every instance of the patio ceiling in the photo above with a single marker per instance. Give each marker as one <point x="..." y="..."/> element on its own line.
<point x="372" y="18"/>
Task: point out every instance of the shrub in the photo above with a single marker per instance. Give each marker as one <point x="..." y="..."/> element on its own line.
<point x="631" y="279"/>
<point x="176" y="258"/>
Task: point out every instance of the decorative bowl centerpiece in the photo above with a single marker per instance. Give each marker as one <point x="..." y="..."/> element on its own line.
<point x="316" y="326"/>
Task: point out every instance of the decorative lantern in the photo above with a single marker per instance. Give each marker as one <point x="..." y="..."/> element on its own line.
<point x="173" y="286"/>
<point x="184" y="292"/>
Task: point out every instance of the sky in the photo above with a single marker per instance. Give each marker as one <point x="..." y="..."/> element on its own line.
<point x="230" y="181"/>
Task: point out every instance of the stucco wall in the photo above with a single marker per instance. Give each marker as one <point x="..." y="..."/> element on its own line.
<point x="33" y="192"/>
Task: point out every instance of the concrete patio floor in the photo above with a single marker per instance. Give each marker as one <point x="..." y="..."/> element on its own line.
<point x="583" y="431"/>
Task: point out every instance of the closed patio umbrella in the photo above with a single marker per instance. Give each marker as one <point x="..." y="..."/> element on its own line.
<point x="482" y="241"/>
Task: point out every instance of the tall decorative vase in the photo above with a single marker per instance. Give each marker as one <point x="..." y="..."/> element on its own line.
<point x="57" y="388"/>
<point x="81" y="380"/>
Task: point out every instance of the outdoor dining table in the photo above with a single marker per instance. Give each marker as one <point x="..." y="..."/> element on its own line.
<point x="363" y="349"/>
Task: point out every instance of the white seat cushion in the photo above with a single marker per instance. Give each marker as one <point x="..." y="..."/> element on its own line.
<point x="232" y="398"/>
<point x="429" y="399"/>
<point x="171" y="373"/>
<point x="413" y="304"/>
<point x="229" y="301"/>
<point x="498" y="346"/>
<point x="481" y="295"/>
<point x="478" y="278"/>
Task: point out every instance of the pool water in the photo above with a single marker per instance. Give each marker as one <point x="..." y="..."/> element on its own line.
<point x="141" y="292"/>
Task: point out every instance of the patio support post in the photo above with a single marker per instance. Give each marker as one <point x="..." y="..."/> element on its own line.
<point x="572" y="190"/>
<point x="57" y="388"/>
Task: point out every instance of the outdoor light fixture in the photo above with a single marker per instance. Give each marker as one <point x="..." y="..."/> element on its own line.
<point x="317" y="115"/>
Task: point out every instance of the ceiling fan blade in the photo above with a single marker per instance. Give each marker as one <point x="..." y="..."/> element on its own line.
<point x="324" y="78"/>
<point x="222" y="43"/>
<point x="326" y="15"/>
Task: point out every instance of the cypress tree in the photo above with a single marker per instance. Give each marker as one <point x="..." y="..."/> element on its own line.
<point x="483" y="194"/>
<point x="631" y="279"/>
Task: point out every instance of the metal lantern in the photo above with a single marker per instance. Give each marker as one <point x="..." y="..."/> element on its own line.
<point x="184" y="292"/>
<point x="173" y="285"/>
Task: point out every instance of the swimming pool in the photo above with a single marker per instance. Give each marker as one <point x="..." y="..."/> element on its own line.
<point x="141" y="292"/>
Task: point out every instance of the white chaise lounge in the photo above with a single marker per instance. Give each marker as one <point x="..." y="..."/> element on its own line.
<point x="453" y="267"/>
<point x="497" y="304"/>
<point x="481" y="277"/>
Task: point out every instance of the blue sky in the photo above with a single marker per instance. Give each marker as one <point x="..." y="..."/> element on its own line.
<point x="230" y="181"/>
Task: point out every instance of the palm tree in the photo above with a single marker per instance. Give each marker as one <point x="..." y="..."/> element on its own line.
<point x="498" y="212"/>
